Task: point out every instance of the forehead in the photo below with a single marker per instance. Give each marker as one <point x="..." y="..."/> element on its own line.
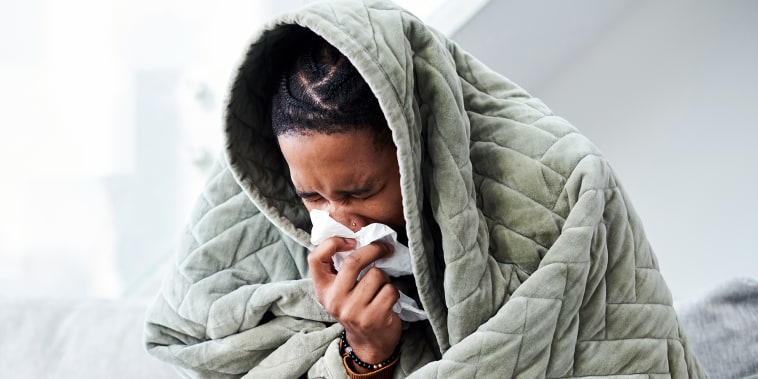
<point x="336" y="161"/>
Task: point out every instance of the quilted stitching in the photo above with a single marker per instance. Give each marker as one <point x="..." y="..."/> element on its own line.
<point x="547" y="270"/>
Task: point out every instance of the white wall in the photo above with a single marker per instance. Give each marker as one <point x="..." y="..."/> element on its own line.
<point x="669" y="92"/>
<point x="110" y="116"/>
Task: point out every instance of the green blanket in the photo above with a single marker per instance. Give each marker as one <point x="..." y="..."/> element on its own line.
<point x="527" y="254"/>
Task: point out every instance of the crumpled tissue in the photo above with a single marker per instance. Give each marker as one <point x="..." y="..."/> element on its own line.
<point x="398" y="264"/>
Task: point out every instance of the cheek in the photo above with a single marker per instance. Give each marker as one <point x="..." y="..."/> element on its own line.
<point x="390" y="206"/>
<point x="320" y="205"/>
<point x="309" y="207"/>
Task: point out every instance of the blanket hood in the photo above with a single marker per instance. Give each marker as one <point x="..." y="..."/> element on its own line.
<point x="251" y="150"/>
<point x="412" y="70"/>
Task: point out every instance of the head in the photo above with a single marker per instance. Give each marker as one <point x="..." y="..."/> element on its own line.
<point x="335" y="139"/>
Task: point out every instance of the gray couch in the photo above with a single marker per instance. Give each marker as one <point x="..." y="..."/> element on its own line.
<point x="58" y="338"/>
<point x="722" y="327"/>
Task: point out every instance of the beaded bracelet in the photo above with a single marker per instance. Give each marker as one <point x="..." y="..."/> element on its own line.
<point x="351" y="354"/>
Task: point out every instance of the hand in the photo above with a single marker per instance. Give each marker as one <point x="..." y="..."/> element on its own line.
<point x="363" y="307"/>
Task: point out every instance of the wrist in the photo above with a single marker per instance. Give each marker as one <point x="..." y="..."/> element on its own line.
<point x="370" y="355"/>
<point x="386" y="372"/>
<point x="362" y="360"/>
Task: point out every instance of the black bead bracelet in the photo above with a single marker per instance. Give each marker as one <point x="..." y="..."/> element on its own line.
<point x="354" y="358"/>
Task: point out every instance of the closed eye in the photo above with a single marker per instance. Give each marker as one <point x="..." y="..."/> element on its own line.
<point x="358" y="193"/>
<point x="309" y="197"/>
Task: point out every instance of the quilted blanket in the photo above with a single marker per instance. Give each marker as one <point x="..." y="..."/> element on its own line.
<point x="527" y="254"/>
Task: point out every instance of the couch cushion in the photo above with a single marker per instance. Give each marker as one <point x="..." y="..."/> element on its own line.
<point x="722" y="328"/>
<point x="43" y="338"/>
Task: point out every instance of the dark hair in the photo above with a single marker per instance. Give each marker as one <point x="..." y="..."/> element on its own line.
<point x="320" y="91"/>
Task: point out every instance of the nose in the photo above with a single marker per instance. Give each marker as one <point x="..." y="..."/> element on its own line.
<point x="345" y="215"/>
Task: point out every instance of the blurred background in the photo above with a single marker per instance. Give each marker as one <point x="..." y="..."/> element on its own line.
<point x="111" y="112"/>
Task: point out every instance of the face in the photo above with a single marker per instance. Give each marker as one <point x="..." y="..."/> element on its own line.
<point x="347" y="175"/>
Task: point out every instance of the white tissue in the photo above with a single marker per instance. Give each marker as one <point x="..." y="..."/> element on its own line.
<point x="398" y="264"/>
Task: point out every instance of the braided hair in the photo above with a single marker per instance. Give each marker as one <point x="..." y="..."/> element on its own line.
<point x="320" y="91"/>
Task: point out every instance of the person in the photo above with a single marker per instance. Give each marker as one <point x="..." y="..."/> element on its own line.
<point x="526" y="255"/>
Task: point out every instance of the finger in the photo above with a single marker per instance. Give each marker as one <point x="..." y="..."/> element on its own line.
<point x="320" y="261"/>
<point x="378" y="313"/>
<point x="367" y="288"/>
<point x="359" y="259"/>
<point x="387" y="295"/>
